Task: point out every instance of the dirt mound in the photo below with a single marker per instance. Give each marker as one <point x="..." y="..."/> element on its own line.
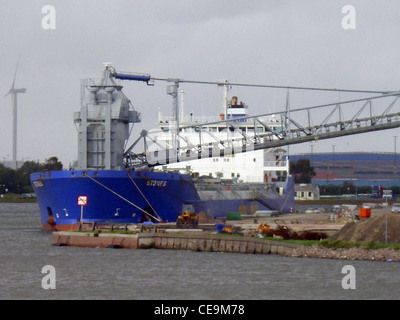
<point x="371" y="230"/>
<point x="205" y="218"/>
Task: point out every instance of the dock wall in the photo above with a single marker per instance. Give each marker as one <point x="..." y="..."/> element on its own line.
<point x="189" y="241"/>
<point x="91" y="240"/>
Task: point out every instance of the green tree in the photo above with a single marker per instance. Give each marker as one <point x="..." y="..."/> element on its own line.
<point x="25" y="171"/>
<point x="52" y="164"/>
<point x="18" y="181"/>
<point x="302" y="171"/>
<point x="10" y="180"/>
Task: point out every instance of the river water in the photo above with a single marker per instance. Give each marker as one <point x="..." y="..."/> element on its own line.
<point x="85" y="273"/>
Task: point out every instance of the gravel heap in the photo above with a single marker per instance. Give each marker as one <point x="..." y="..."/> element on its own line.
<point x="368" y="230"/>
<point x="371" y="230"/>
<point x="362" y="253"/>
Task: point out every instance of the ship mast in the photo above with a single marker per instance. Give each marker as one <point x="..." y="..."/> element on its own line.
<point x="173" y="90"/>
<point x="226" y="99"/>
<point x="182" y="106"/>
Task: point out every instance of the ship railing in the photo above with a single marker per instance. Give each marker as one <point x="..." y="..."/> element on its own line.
<point x="194" y="120"/>
<point x="297" y="126"/>
<point x="88" y="82"/>
<point x="275" y="163"/>
<point x="100" y="116"/>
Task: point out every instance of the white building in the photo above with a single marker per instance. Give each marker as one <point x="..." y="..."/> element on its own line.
<point x="306" y="192"/>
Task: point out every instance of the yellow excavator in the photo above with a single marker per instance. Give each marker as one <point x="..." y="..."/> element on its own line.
<point x="188" y="217"/>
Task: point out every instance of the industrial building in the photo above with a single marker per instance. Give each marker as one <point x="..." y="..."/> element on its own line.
<point x="358" y="168"/>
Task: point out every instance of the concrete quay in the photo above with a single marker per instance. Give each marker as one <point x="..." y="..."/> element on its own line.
<point x="194" y="241"/>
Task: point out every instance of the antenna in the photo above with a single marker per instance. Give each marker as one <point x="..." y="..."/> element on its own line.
<point x="14" y="93"/>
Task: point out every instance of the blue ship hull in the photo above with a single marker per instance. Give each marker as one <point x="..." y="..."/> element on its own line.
<point x="129" y="197"/>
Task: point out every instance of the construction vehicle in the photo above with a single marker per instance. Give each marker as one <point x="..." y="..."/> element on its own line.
<point x="265" y="229"/>
<point x="227" y="229"/>
<point x="188" y="217"/>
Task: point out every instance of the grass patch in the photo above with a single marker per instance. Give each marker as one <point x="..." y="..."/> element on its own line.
<point x="302" y="242"/>
<point x="96" y="232"/>
<point x="120" y="232"/>
<point x="17" y="200"/>
<point x="338" y="244"/>
<point x="229" y="235"/>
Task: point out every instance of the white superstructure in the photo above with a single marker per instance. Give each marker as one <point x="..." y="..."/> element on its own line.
<point x="269" y="165"/>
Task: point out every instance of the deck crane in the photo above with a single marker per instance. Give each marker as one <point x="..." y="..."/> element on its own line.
<point x="379" y="111"/>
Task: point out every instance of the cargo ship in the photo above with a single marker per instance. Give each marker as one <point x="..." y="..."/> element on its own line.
<point x="104" y="187"/>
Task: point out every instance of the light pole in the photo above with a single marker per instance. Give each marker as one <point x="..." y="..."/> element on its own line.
<point x="333" y="160"/>
<point x="386" y="228"/>
<point x="312" y="153"/>
<point x="395" y="155"/>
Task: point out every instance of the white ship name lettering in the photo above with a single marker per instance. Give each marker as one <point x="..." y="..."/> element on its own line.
<point x="156" y="183"/>
<point x="38" y="183"/>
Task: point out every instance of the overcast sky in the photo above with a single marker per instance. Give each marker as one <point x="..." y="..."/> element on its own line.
<point x="298" y="43"/>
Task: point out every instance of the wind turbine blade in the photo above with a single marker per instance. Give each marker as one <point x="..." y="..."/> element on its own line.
<point x="15" y="74"/>
<point x="12" y="85"/>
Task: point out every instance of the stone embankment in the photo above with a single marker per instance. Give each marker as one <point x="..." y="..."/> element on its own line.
<point x="379" y="229"/>
<point x="359" y="253"/>
<point x="194" y="241"/>
<point x="215" y="243"/>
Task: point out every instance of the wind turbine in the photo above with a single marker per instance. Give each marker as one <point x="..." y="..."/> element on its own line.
<point x="14" y="92"/>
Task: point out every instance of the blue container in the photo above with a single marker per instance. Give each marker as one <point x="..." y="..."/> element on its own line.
<point x="147" y="223"/>
<point x="220" y="227"/>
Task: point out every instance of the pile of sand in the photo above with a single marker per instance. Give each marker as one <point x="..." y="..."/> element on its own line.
<point x="371" y="230"/>
<point x="205" y="218"/>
